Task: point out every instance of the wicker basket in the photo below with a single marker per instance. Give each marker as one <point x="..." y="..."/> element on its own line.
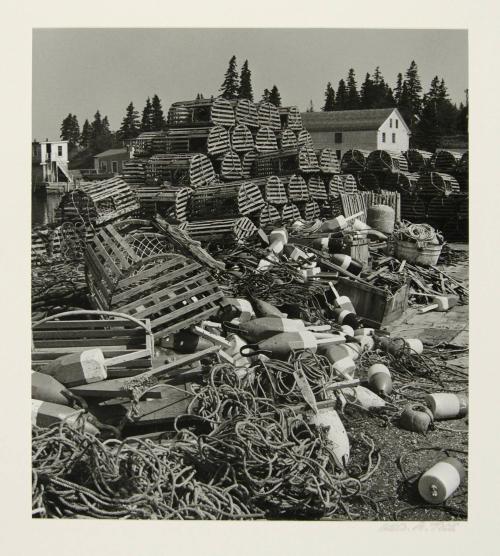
<point x="426" y="255"/>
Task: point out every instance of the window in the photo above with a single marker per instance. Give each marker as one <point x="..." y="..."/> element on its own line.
<point x="338" y="155"/>
<point x="383" y="137"/>
<point x="103" y="166"/>
<point x="59" y="150"/>
<point x="338" y="138"/>
<point x="390" y="122"/>
<point x="114" y="166"/>
<point x="393" y="137"/>
<point x="396" y="124"/>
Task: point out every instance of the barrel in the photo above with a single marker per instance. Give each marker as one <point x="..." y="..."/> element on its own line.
<point x="381" y="218"/>
<point x="426" y="255"/>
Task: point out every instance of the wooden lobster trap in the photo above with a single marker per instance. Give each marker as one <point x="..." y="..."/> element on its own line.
<point x="386" y="161"/>
<point x="268" y="216"/>
<point x="446" y="162"/>
<point x="119" y="336"/>
<point x="206" y="140"/>
<point x="225" y="200"/>
<point x="99" y="202"/>
<point x="134" y="171"/>
<point x="288" y="140"/>
<point x="276" y="163"/>
<point x="290" y="118"/>
<point x="247" y="164"/>
<point x="353" y="161"/>
<point x="328" y="161"/>
<point x="148" y="143"/>
<point x="265" y="140"/>
<point x="242" y="139"/>
<point x="202" y="112"/>
<point x="274" y="190"/>
<point x="369" y="181"/>
<point x="228" y="166"/>
<point x="180" y="170"/>
<point x="297" y="189"/>
<point x="402" y="181"/>
<point x="309" y="210"/>
<point x="290" y="212"/>
<point x="304" y="139"/>
<point x="316" y="188"/>
<point x="433" y="184"/>
<point x="172" y="202"/>
<point x="342" y="183"/>
<point x="229" y="230"/>
<point x="245" y="112"/>
<point x="268" y="116"/>
<point x="133" y="270"/>
<point x="418" y="161"/>
<point x="308" y="163"/>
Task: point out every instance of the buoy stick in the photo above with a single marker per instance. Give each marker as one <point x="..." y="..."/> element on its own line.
<point x="360" y="213"/>
<point x="334" y="291"/>
<point x="429" y="308"/>
<point x="218" y="340"/>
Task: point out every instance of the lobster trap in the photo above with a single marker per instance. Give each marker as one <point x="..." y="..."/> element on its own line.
<point x="201" y="112"/>
<point x="328" y="161"/>
<point x="268" y="116"/>
<point x="386" y="161"/>
<point x="242" y="139"/>
<point x="277" y="163"/>
<point x="290" y="118"/>
<point x="221" y="231"/>
<point x="245" y="112"/>
<point x="205" y="140"/>
<point x="180" y="170"/>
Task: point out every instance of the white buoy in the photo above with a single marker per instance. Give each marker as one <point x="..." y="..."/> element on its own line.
<point x="337" y="434"/>
<point x="447" y="405"/>
<point x="439" y="482"/>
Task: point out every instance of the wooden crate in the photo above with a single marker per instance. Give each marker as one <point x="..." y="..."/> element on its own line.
<point x="202" y="112"/>
<point x="377" y="308"/>
<point x="225" y="200"/>
<point x="288" y="140"/>
<point x="242" y="139"/>
<point x="308" y="163"/>
<point x="316" y="188"/>
<point x="228" y="166"/>
<point x="180" y="170"/>
<point x="246" y="112"/>
<point x="276" y="163"/>
<point x="268" y="116"/>
<point x="290" y="212"/>
<point x="290" y="118"/>
<point x="224" y="231"/>
<point x="386" y="161"/>
<point x="354" y="161"/>
<point x="265" y="140"/>
<point x="115" y="336"/>
<point x="328" y="161"/>
<point x="133" y="271"/>
<point x="99" y="202"/>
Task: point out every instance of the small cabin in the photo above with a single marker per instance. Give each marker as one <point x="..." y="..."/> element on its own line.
<point x="111" y="161"/>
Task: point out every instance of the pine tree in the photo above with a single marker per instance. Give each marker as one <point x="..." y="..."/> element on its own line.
<point x="85" y="135"/>
<point x="341" y="100"/>
<point x="230" y="86"/>
<point x="245" y="89"/>
<point x="70" y="131"/>
<point x="95" y="132"/>
<point x="265" y="95"/>
<point x="147" y="113"/>
<point x="352" y="91"/>
<point x="329" y="105"/>
<point x="399" y="89"/>
<point x="368" y="90"/>
<point x="130" y="124"/>
<point x="275" y="96"/>
<point x="75" y="132"/>
<point x="389" y="101"/>
<point x="158" y="122"/>
<point x="413" y="106"/>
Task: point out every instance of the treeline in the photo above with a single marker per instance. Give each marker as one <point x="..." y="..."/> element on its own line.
<point x="430" y="116"/>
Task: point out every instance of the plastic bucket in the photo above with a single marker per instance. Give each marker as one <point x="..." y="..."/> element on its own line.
<point x="426" y="255"/>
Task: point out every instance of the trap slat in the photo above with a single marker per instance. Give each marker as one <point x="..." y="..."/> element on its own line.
<point x="353" y="161"/>
<point x="304" y="139"/>
<point x="268" y="215"/>
<point x="277" y="163"/>
<point x="386" y="161"/>
<point x="180" y="170"/>
<point x="341" y="183"/>
<point x="436" y="183"/>
<point x="247" y="162"/>
<point x="274" y="191"/>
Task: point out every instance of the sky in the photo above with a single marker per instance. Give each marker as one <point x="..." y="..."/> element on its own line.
<point x="81" y="70"/>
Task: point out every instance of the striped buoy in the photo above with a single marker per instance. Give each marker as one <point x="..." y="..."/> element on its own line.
<point x="185" y="342"/>
<point x="349" y="318"/>
<point x="439" y="482"/>
<point x="45" y="414"/>
<point x="46" y="388"/>
<point x="379" y="379"/>
<point x="265" y="309"/>
<point x="341" y="360"/>
<point x="447" y="405"/>
<point x="346" y="262"/>
<point x="75" y="369"/>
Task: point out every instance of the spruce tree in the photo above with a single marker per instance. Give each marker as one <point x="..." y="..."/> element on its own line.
<point x="329" y="105"/>
<point x="147" y="114"/>
<point x="413" y="89"/>
<point x="70" y="131"/>
<point x="352" y="91"/>
<point x="85" y="135"/>
<point x="341" y="100"/>
<point x="75" y="132"/>
<point x="265" y="95"/>
<point x="368" y="91"/>
<point x="230" y="86"/>
<point x="130" y="124"/>
<point x="245" y="89"/>
<point x="158" y="122"/>
<point x="274" y="96"/>
<point x="399" y="89"/>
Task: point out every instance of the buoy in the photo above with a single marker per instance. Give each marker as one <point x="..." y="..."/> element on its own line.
<point x="381" y="218"/>
<point x="75" y="369"/>
<point x="328" y="244"/>
<point x="353" y="349"/>
<point x="364" y="397"/>
<point x="46" y="388"/>
<point x="416" y="418"/>
<point x="259" y="329"/>
<point x="185" y="342"/>
<point x="379" y="379"/>
<point x="447" y="405"/>
<point x="341" y="301"/>
<point x="278" y="239"/>
<point x="45" y="414"/>
<point x="234" y="307"/>
<point x="347" y="330"/>
<point x="346" y="262"/>
<point x="296" y="254"/>
<point x="341" y="360"/>
<point x="281" y="345"/>
<point x="439" y="482"/>
<point x="342" y="316"/>
<point x="265" y="309"/>
<point x="396" y="345"/>
<point x="336" y="433"/>
<point x="234" y="351"/>
<point x="363" y="228"/>
<point x="337" y="224"/>
<point x="364" y="332"/>
<point x="367" y="343"/>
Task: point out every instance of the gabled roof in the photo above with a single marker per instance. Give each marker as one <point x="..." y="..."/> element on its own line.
<point x="111" y="152"/>
<point x="348" y="120"/>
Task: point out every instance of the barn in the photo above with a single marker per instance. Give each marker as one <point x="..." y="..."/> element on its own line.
<point x="342" y="130"/>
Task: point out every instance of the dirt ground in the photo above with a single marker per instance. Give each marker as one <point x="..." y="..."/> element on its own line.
<point x="390" y="495"/>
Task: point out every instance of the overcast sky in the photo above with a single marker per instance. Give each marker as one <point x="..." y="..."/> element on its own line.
<point x="82" y="70"/>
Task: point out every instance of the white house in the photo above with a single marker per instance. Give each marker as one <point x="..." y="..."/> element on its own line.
<point x="54" y="161"/>
<point x="374" y="129"/>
